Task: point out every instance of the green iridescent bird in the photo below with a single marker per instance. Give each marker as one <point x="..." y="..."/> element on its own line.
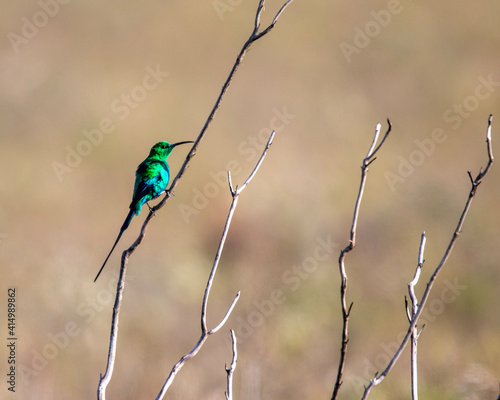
<point x="151" y="180"/>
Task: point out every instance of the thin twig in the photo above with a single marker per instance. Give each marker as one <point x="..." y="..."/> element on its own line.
<point x="346" y="311"/>
<point x="104" y="379"/>
<point x="474" y="185"/>
<point x="271" y="25"/>
<point x="205" y="333"/>
<point x="228" y="313"/>
<point x="255" y="35"/>
<point x="232" y="367"/>
<point x="411" y="314"/>
<point x="178" y="366"/>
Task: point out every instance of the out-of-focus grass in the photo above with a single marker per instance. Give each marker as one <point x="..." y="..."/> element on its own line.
<point x="56" y="233"/>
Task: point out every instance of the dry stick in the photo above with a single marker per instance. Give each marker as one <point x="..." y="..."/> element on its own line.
<point x="411" y="315"/>
<point x="232" y="367"/>
<point x="474" y="183"/>
<point x="255" y="35"/>
<point x="204" y="330"/>
<point x="370" y="157"/>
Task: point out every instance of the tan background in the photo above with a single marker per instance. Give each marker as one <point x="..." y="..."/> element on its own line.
<point x="55" y="232"/>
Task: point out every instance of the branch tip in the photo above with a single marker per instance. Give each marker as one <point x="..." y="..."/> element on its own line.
<point x="417" y="309"/>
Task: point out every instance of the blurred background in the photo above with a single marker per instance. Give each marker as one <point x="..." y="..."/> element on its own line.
<point x="87" y="88"/>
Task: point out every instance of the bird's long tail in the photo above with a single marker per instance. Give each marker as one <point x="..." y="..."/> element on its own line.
<point x="122" y="229"/>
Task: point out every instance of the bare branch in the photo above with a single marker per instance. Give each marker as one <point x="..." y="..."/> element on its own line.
<point x="374" y="141"/>
<point x="489" y="145"/>
<point x="228" y="313"/>
<point x="414" y="308"/>
<point x="421" y="250"/>
<point x="352" y="242"/>
<point x="364" y="171"/>
<point x="389" y="128"/>
<point x="260" y="8"/>
<point x="269" y="142"/>
<point x="232" y="367"/>
<point x="407" y="309"/>
<point x="271" y="26"/>
<point x="104" y="380"/>
<point x="253" y="37"/>
<point x="411" y="285"/>
<point x="475" y="183"/>
<point x="230" y="183"/>
<point x="205" y="333"/>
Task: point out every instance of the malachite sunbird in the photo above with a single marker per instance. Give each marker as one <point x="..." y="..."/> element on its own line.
<point x="151" y="180"/>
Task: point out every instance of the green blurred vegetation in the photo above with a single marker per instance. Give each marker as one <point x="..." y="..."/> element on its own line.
<point x="56" y="232"/>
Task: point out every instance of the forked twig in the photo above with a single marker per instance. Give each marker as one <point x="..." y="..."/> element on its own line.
<point x="474" y="185"/>
<point x="232" y="367"/>
<point x="346" y="311"/>
<point x="254" y="36"/>
<point x="411" y="314"/>
<point x="205" y="333"/>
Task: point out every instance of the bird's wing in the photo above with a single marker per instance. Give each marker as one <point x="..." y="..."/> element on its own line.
<point x="151" y="180"/>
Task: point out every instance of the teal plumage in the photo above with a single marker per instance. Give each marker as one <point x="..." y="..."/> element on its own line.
<point x="151" y="180"/>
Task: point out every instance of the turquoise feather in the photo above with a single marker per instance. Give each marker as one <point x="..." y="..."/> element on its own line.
<point x="151" y="180"/>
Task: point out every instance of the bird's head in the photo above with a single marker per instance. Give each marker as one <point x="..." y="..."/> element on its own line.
<point x="163" y="149"/>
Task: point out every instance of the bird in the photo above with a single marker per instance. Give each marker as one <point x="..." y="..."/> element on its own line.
<point x="151" y="180"/>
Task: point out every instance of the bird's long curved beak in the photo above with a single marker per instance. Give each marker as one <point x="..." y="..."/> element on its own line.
<point x="178" y="143"/>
